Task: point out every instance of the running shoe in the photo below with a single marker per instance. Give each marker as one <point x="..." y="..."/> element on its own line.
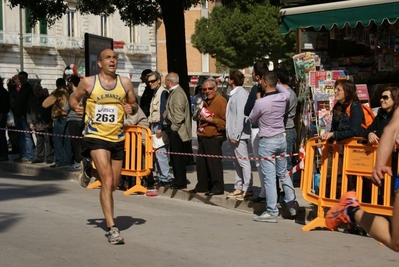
<point x="338" y="214"/>
<point x="114" y="236"/>
<point x="84" y="176"/>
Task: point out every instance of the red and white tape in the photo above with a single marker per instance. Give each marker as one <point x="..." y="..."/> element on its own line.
<point x="299" y="166"/>
<point x="301" y="154"/>
<point x="40" y="133"/>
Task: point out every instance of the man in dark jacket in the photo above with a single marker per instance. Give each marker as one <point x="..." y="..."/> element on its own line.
<point x="20" y="101"/>
<point x="146" y="97"/>
<point x="39" y="120"/>
<point x="4" y="109"/>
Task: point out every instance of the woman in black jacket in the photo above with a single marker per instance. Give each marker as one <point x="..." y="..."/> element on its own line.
<point x="344" y="126"/>
<point x="389" y="100"/>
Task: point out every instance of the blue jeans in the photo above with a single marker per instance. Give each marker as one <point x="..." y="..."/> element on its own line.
<point x="290" y="137"/>
<point x="24" y="139"/>
<point x="62" y="145"/>
<point x="272" y="168"/>
<point x="161" y="161"/>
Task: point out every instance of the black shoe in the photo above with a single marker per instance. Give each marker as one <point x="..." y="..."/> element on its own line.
<point x="56" y="165"/>
<point x="18" y="160"/>
<point x="195" y="191"/>
<point x="259" y="200"/>
<point x="49" y="162"/>
<point x="178" y="187"/>
<point x="37" y="161"/>
<point x="209" y="194"/>
<point x="164" y="184"/>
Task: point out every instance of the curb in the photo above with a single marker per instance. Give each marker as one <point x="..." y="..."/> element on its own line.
<point x="305" y="212"/>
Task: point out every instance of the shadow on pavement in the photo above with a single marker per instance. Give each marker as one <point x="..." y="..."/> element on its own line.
<point x="7" y="220"/>
<point x="11" y="191"/>
<point x="122" y="222"/>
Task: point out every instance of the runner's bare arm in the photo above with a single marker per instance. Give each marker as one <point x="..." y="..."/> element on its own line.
<point x="130" y="106"/>
<point x="384" y="150"/>
<point x="82" y="90"/>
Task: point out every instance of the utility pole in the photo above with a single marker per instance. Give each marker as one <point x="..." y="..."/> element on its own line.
<point x="21" y="40"/>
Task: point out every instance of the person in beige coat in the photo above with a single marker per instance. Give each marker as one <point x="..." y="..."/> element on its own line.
<point x="177" y="125"/>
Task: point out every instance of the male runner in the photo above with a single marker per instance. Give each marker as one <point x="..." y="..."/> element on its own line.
<point x="109" y="97"/>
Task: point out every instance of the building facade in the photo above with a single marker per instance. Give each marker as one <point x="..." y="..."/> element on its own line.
<point x="198" y="64"/>
<point x="47" y="51"/>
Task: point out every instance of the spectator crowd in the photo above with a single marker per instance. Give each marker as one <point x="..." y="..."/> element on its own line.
<point x="263" y="117"/>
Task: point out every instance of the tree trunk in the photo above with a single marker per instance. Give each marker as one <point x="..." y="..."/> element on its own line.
<point x="173" y="18"/>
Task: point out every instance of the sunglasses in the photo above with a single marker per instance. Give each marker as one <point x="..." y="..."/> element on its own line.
<point x="385" y="97"/>
<point x="152" y="81"/>
<point x="207" y="88"/>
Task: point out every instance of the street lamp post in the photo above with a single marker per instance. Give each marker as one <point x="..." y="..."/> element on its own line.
<point x="21" y="40"/>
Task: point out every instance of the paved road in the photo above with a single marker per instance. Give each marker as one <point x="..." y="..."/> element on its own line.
<point x="47" y="222"/>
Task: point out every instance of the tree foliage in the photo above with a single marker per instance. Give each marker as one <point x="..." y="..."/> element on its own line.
<point x="237" y="37"/>
<point x="133" y="12"/>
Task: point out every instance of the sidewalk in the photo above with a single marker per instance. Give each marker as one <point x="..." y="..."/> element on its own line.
<point x="306" y="211"/>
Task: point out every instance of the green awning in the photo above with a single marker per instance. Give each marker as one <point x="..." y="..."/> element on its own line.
<point x="349" y="12"/>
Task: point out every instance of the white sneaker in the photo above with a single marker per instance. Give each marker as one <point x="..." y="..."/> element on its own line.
<point x="266" y="217"/>
<point x="114" y="236"/>
<point x="75" y="167"/>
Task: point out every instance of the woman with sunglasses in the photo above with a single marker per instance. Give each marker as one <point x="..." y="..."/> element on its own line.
<point x="389" y="102"/>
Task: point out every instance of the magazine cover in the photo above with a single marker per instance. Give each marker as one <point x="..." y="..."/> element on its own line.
<point x="322" y="107"/>
<point x="299" y="66"/>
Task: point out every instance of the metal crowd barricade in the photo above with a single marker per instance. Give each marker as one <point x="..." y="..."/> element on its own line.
<point x="138" y="157"/>
<point x="357" y="158"/>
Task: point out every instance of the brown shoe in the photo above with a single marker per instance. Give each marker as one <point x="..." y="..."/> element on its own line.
<point x="234" y="194"/>
<point x="245" y="195"/>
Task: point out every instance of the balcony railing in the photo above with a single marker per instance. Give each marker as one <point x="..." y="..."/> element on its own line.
<point x="64" y="42"/>
<point x="69" y="43"/>
<point x="39" y="40"/>
<point x="9" y="38"/>
<point x="140" y="49"/>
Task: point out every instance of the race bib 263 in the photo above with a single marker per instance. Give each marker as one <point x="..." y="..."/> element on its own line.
<point x="105" y="114"/>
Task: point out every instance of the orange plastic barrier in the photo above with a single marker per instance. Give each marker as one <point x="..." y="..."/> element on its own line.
<point x="138" y="157"/>
<point x="357" y="158"/>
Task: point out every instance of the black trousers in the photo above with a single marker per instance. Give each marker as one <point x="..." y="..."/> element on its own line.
<point x="210" y="170"/>
<point x="44" y="147"/>
<point x="75" y="128"/>
<point x="178" y="162"/>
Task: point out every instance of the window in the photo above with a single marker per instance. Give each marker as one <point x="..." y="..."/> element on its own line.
<point x="103" y="25"/>
<point x="71" y="23"/>
<point x="40" y="27"/>
<point x="1" y="15"/>
<point x="204" y="4"/>
<point x="28" y="28"/>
